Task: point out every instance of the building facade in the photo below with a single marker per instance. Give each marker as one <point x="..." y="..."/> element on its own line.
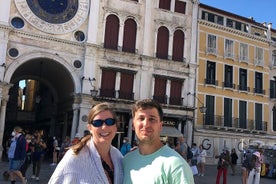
<point x="234" y="58"/>
<point x="58" y="59"/>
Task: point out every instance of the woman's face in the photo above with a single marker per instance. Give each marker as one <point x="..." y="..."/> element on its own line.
<point x="103" y="134"/>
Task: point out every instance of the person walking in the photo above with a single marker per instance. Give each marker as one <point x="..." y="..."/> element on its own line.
<point x="255" y="173"/>
<point x="16" y="155"/>
<point x="93" y="160"/>
<point x="152" y="161"/>
<point x="234" y="157"/>
<point x="55" y="151"/>
<point x="201" y="160"/>
<point x="126" y="147"/>
<point x="222" y="166"/>
<point x="39" y="147"/>
<point x="28" y="158"/>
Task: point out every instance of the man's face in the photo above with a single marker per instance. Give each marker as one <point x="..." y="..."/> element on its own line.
<point x="147" y="125"/>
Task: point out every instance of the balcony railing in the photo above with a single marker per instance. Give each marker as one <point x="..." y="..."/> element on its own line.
<point x="107" y="93"/>
<point x="160" y="99"/>
<point x="126" y="95"/>
<point x="243" y="125"/>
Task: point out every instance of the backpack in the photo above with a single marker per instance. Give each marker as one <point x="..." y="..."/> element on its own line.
<point x="189" y="153"/>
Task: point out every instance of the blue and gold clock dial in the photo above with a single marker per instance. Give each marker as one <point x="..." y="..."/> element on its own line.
<point x="54" y="11"/>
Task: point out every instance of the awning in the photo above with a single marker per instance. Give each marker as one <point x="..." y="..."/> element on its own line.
<point x="170" y="132"/>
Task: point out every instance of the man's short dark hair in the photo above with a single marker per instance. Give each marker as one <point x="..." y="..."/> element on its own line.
<point x="147" y="104"/>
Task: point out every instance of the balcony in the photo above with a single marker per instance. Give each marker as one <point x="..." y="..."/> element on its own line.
<point x="175" y="101"/>
<point x="111" y="93"/>
<point x="160" y="99"/>
<point x="126" y="95"/>
<point x="234" y="124"/>
<point x="244" y="88"/>
<point x="228" y="85"/>
<point x="259" y="91"/>
<point x="211" y="82"/>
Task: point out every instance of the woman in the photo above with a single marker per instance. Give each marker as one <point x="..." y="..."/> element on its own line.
<point x="223" y="163"/>
<point x="234" y="158"/>
<point x="38" y="147"/>
<point x="94" y="159"/>
<point x="201" y="160"/>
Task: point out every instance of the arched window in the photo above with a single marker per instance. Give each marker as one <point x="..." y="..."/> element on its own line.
<point x="178" y="46"/>
<point x="129" y="41"/>
<point x="111" y="32"/>
<point x="162" y="43"/>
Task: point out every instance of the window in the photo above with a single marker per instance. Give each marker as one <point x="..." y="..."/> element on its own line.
<point x="259" y="56"/>
<point x="129" y="36"/>
<point x="162" y="43"/>
<point x="274" y="118"/>
<point x="212" y="45"/>
<point x="111" y="32"/>
<point x="229" y="23"/>
<point x="175" y="92"/>
<point x="165" y="4"/>
<point x="229" y="49"/>
<point x="126" y="86"/>
<point x="273" y="89"/>
<point x="160" y="89"/>
<point x="259" y="83"/>
<point x="227" y="112"/>
<point x="108" y="83"/>
<point x="258" y="116"/>
<point x="242" y="114"/>
<point x="180" y="7"/>
<point x="243" y="80"/>
<point x="178" y="46"/>
<point x="211" y="73"/>
<point x="210" y="112"/>
<point x="244" y="52"/>
<point x="228" y="76"/>
<point x="274" y="58"/>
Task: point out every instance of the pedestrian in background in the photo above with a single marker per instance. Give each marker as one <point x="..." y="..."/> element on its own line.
<point x="234" y="157"/>
<point x="55" y="151"/>
<point x="195" y="151"/>
<point x="222" y="166"/>
<point x="201" y="160"/>
<point x="255" y="173"/>
<point x="38" y="154"/>
<point x="28" y="158"/>
<point x="16" y="155"/>
<point x="153" y="162"/>
<point x="126" y="147"/>
<point x="94" y="159"/>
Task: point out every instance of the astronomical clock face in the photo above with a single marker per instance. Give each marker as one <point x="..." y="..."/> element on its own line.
<point x="54" y="16"/>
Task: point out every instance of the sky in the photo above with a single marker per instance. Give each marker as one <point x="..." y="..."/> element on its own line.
<point x="260" y="10"/>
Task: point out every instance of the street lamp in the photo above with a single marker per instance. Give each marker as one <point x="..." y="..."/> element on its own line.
<point x="93" y="91"/>
<point x="202" y="109"/>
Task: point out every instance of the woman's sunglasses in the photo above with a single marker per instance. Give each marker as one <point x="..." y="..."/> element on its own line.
<point x="99" y="122"/>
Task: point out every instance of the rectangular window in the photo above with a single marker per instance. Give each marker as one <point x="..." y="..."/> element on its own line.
<point x="229" y="49"/>
<point x="108" y="83"/>
<point x="220" y="20"/>
<point x="274" y="58"/>
<point x="175" y="92"/>
<point x="259" y="83"/>
<point x="229" y="23"/>
<point x="160" y="90"/>
<point x="126" y="86"/>
<point x="211" y="73"/>
<point x="274" y="118"/>
<point x="243" y="52"/>
<point x="242" y="114"/>
<point x="272" y="89"/>
<point x="210" y="112"/>
<point x="228" y="112"/>
<point x="165" y="4"/>
<point x="259" y="56"/>
<point x="228" y="76"/>
<point x="180" y="7"/>
<point x="243" y="80"/>
<point x="258" y="116"/>
<point x="212" y="44"/>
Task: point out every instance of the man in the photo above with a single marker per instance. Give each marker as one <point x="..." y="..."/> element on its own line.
<point x="153" y="162"/>
<point x="17" y="154"/>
